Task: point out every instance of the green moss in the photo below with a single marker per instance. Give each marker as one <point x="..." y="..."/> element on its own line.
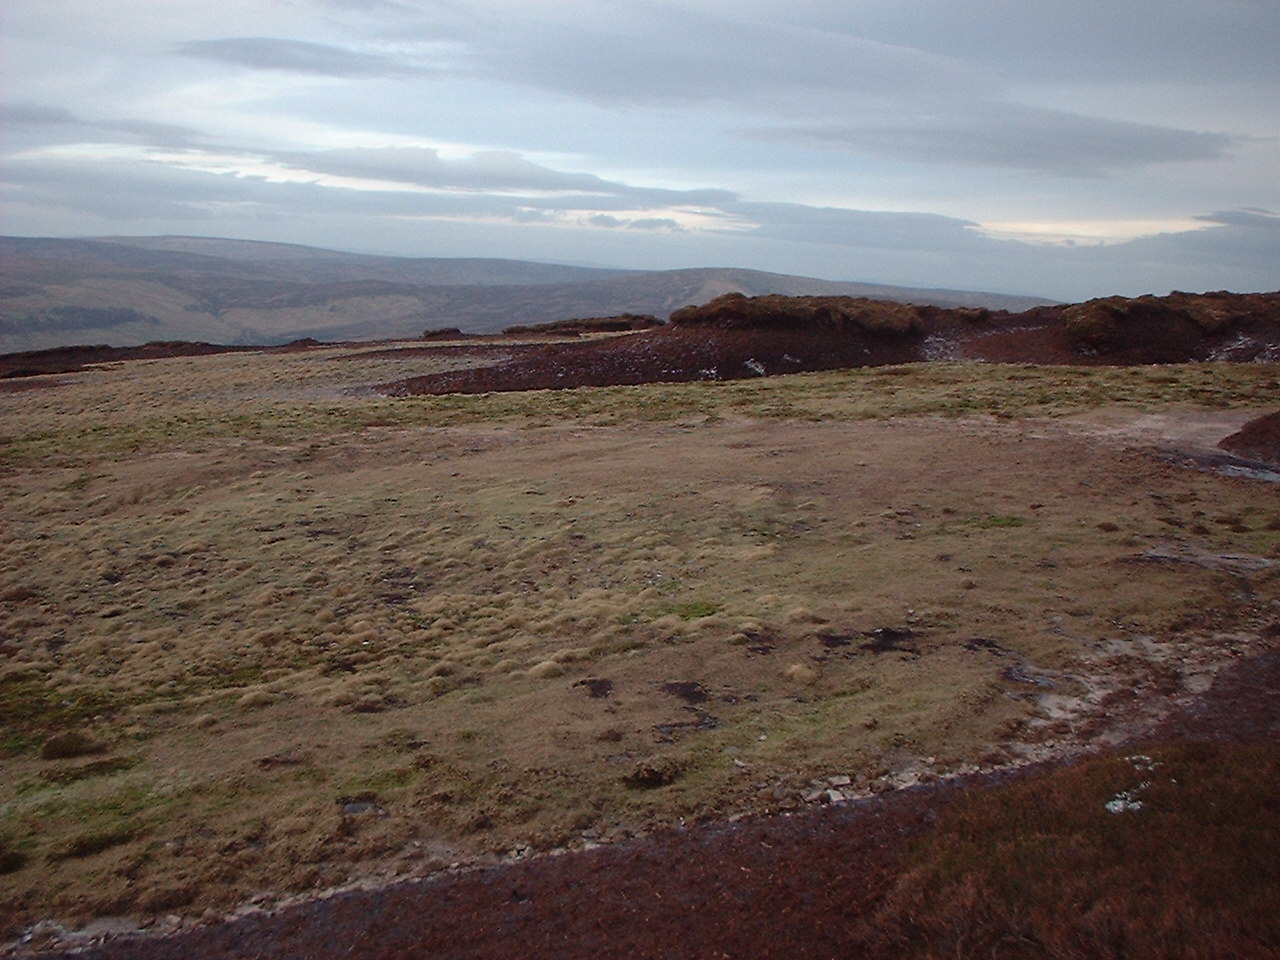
<point x="690" y="609"/>
<point x="31" y="709"/>
<point x="93" y="841"/>
<point x="1000" y="521"/>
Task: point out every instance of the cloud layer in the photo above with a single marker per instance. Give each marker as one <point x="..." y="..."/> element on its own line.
<point x="1046" y="148"/>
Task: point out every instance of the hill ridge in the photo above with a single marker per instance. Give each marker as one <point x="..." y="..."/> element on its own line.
<point x="126" y="291"/>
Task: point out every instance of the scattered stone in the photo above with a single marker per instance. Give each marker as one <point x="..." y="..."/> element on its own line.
<point x="1020" y="673"/>
<point x="984" y="643"/>
<point x="703" y="721"/>
<point x="358" y="807"/>
<point x="840" y="781"/>
<point x="1124" y="802"/>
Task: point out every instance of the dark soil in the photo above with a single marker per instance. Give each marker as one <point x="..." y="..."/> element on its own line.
<point x="735" y="337"/>
<point x="1257" y="440"/>
<point x="32" y="363"/>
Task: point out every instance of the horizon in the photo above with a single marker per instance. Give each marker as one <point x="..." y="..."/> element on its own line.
<point x="543" y="262"/>
<point x="1067" y="153"/>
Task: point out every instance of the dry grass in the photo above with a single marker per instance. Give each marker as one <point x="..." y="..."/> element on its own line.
<point x="320" y="636"/>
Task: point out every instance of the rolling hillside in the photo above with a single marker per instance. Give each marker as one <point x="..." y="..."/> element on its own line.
<point x="126" y="291"/>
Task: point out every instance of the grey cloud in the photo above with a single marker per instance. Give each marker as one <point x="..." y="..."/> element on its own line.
<point x="657" y="54"/>
<point x="492" y="171"/>
<point x="297" y="56"/>
<point x="29" y="114"/>
<point x="140" y="192"/>
<point x="1248" y="217"/>
<point x="36" y="116"/>
<point x="633" y="223"/>
<point x="1021" y="137"/>
<point x="1184" y="41"/>
<point x="858" y="228"/>
<point x="152" y="132"/>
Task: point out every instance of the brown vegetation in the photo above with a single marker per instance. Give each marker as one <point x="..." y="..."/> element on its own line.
<point x="737" y="337"/>
<point x="262" y="636"/>
<point x="581" y="325"/>
<point x="733" y="311"/>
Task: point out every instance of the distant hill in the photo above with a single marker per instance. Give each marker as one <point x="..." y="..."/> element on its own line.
<point x="124" y="291"/>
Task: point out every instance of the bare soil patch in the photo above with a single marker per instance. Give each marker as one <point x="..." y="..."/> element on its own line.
<point x="1258" y="439"/>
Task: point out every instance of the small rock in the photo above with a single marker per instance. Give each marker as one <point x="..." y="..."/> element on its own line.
<point x="353" y="808"/>
<point x="840" y="781"/>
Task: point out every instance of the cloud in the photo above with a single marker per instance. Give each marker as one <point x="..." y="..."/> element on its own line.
<point x="655" y="54"/>
<point x="396" y="183"/>
<point x="609" y="221"/>
<point x="1017" y="136"/>
<point x="29" y="114"/>
<point x="1191" y="41"/>
<point x="297" y="56"/>
<point x="39" y="118"/>
<point x="1249" y="217"/>
<point x="501" y="173"/>
<point x="856" y="228"/>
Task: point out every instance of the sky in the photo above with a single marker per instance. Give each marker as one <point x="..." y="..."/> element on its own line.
<point x="1061" y="148"/>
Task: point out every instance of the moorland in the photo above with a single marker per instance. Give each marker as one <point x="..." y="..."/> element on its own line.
<point x="281" y="622"/>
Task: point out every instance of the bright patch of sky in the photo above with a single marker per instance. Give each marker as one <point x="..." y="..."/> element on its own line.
<point x="1068" y="148"/>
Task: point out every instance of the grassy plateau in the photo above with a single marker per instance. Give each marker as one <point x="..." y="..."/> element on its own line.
<point x="263" y="635"/>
